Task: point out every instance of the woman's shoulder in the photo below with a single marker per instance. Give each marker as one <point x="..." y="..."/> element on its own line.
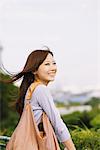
<point x="42" y="94"/>
<point x="35" y="90"/>
<point x="41" y="88"/>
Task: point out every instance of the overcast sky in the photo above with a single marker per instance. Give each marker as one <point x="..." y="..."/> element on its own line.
<point x="70" y="28"/>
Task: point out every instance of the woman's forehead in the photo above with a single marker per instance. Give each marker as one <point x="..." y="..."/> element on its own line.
<point x="49" y="58"/>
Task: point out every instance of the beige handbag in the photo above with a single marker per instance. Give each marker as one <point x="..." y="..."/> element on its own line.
<point x="27" y="135"/>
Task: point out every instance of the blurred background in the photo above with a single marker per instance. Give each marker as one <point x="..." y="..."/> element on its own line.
<point x="71" y="29"/>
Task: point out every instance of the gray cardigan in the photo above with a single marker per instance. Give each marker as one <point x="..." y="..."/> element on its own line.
<point x="43" y="101"/>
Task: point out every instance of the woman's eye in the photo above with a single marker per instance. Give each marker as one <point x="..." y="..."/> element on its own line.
<point x="47" y="64"/>
<point x="54" y="63"/>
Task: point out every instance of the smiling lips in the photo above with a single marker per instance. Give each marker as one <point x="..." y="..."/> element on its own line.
<point x="52" y="74"/>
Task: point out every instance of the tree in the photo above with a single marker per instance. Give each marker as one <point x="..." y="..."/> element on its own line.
<point x="8" y="95"/>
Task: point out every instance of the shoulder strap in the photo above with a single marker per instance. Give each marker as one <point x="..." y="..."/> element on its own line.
<point x="31" y="89"/>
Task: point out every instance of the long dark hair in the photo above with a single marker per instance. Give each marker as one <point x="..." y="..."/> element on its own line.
<point x="34" y="60"/>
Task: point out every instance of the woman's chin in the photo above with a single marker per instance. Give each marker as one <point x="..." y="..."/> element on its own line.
<point x="52" y="79"/>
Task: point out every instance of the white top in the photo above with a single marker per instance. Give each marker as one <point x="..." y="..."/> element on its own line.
<point x="43" y="101"/>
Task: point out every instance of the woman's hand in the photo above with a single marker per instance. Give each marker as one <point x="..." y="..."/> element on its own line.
<point x="69" y="145"/>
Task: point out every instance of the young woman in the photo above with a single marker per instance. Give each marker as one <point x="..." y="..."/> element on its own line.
<point x="41" y="66"/>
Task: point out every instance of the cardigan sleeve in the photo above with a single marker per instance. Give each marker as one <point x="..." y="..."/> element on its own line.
<point x="45" y="100"/>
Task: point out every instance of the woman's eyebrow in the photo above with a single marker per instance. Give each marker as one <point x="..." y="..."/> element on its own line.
<point x="50" y="61"/>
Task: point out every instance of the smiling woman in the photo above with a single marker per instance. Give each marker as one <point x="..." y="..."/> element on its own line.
<point x="39" y="70"/>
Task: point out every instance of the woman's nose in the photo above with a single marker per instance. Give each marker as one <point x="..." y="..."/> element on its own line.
<point x="53" y="67"/>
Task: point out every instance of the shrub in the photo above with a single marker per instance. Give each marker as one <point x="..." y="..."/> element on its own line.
<point x="77" y="118"/>
<point x="95" y="122"/>
<point x="82" y="118"/>
<point x="86" y="139"/>
<point x="72" y="119"/>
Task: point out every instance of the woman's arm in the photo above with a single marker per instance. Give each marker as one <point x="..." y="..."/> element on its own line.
<point x="46" y="102"/>
<point x="69" y="145"/>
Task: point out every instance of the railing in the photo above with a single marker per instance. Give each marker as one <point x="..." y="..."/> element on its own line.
<point x="3" y="141"/>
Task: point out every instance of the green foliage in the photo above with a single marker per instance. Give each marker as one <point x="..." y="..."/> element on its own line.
<point x="86" y="139"/>
<point x="77" y="118"/>
<point x="60" y="104"/>
<point x="94" y="102"/>
<point x="8" y="114"/>
<point x="81" y="118"/>
<point x="93" y="112"/>
<point x="72" y="119"/>
<point x="94" y="117"/>
<point x="74" y="104"/>
<point x="95" y="122"/>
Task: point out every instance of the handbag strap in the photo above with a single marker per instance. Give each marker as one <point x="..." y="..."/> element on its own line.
<point x="32" y="88"/>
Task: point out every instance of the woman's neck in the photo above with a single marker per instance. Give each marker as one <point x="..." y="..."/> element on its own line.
<point x="40" y="81"/>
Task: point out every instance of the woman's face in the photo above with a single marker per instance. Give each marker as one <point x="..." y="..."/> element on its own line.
<point x="47" y="70"/>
